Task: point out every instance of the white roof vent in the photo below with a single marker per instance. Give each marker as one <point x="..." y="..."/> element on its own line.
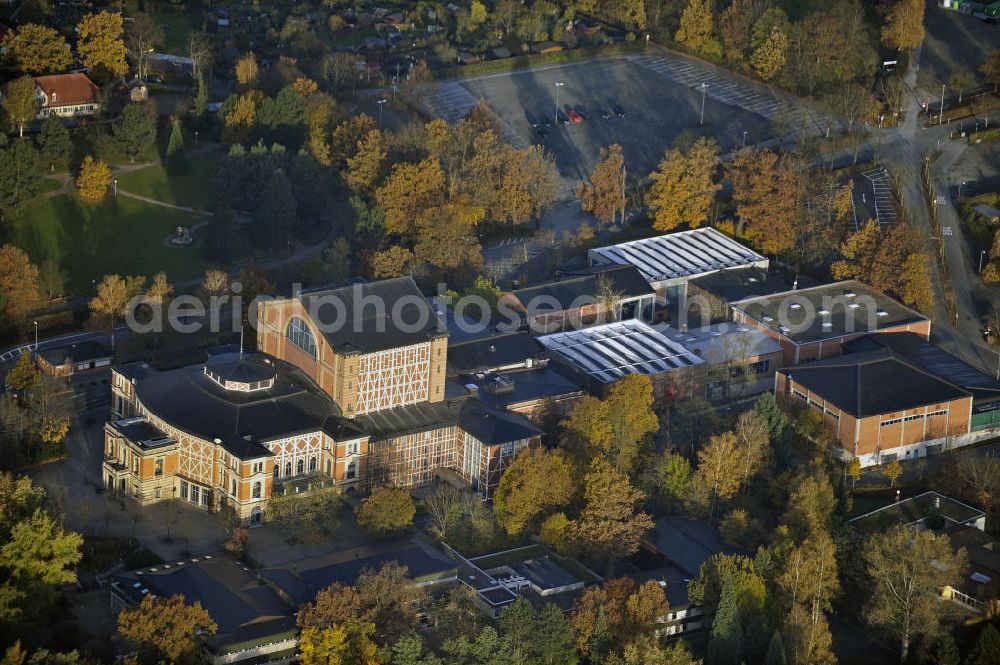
<point x="783" y="329"/>
<point x="795" y="305"/>
<point x="854" y="305"/>
<point x="766" y="319"/>
<point x="827" y="324"/>
<point x="882" y="312"/>
<point x="823" y="312"/>
<point x="850" y="294"/>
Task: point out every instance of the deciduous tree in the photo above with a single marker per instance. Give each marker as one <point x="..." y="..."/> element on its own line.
<point x="684" y="186"/>
<point x="246" y="71"/>
<point x="346" y="643"/>
<point x="21" y="102"/>
<point x="114" y="294"/>
<point x="991" y="68"/>
<point x="408" y="191"/>
<point x="610" y="524"/>
<point x="604" y="194"/>
<point x="36" y="49"/>
<point x="19" y="181"/>
<point x="94" y="179"/>
<point x="631" y="417"/>
<point x="366" y="168"/>
<point x="395" y="261"/>
<point x="697" y="30"/>
<point x="719" y="467"/>
<point x="54" y="144"/>
<point x="135" y="129"/>
<point x="386" y="510"/>
<point x="165" y="629"/>
<point x="143" y="35"/>
<point x="916" y="288"/>
<point x="533" y="486"/>
<point x="903" y="28"/>
<point x="177" y="162"/>
<point x="100" y="42"/>
<point x="908" y="568"/>
<point x="18" y="282"/>
<point x="766" y="190"/>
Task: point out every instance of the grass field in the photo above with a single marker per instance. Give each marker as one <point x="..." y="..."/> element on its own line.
<point x="118" y="235"/>
<point x="193" y="189"/>
<point x="177" y="27"/>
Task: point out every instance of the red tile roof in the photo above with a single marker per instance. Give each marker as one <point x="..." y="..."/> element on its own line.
<point x="70" y="89"/>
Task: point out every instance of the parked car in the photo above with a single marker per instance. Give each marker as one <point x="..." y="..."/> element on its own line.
<point x="605" y="113"/>
<point x="575" y="117"/>
<point x="562" y="117"/>
<point x="583" y="113"/>
<point x="546" y="121"/>
<point x="532" y="121"/>
<point x="619" y="111"/>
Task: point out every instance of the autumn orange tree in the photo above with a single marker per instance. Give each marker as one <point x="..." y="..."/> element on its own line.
<point x="18" y="282"/>
<point x="410" y="190"/>
<point x="608" y="617"/>
<point x="604" y="194"/>
<point x="903" y="27"/>
<point x="684" y="186"/>
<point x="165" y="629"/>
<point x="386" y="510"/>
<point x="366" y="168"/>
<point x="767" y="190"/>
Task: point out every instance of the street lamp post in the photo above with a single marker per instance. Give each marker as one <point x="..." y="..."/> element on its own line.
<point x="559" y="84"/>
<point x="114" y="183"/>
<point x="941" y="112"/>
<point x="36" y="335"/>
<point x="704" y="91"/>
<point x="381" y="105"/>
<point x="982" y="253"/>
<point x="196" y="139"/>
<point x="744" y="139"/>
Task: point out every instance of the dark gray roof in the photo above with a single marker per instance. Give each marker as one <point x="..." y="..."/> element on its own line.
<point x="77" y="353"/>
<point x="302" y="580"/>
<point x="192" y="402"/>
<point x="491" y="426"/>
<point x="490" y="353"/>
<point x="373" y="316"/>
<point x="142" y="432"/>
<point x="740" y="283"/>
<point x="581" y="289"/>
<point x="918" y="351"/>
<point x="237" y="367"/>
<point x="872" y="383"/>
<point x="828" y="312"/>
<point x="522" y="386"/>
<point x="687" y="543"/>
<point x="243" y="608"/>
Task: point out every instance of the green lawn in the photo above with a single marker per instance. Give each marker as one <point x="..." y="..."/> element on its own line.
<point x="193" y="189"/>
<point x="118" y="235"/>
<point x="49" y="185"/>
<point x="177" y="27"/>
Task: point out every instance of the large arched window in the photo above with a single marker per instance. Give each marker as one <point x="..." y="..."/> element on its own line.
<point x="300" y="467"/>
<point x="298" y="333"/>
<point x="288" y="469"/>
<point x="312" y="463"/>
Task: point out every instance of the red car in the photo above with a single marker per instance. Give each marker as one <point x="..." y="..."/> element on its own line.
<point x="575" y="117"/>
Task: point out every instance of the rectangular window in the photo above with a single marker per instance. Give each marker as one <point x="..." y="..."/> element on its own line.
<point x="156" y="492"/>
<point x="352" y="448"/>
<point x="158" y="467"/>
<point x="194" y="493"/>
<point x="184" y="490"/>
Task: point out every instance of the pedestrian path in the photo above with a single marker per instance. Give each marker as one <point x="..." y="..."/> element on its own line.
<point x="728" y="89"/>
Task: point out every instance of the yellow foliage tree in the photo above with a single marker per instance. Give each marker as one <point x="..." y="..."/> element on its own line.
<point x="684" y="186"/>
<point x="247" y="70"/>
<point x="18" y="281"/>
<point x="604" y="195"/>
<point x="100" y="42"/>
<point x="769" y="58"/>
<point x="94" y="179"/>
<point x="408" y="191"/>
<point x="346" y="643"/>
<point x="37" y="49"/>
<point x="367" y="165"/>
<point x="903" y="28"/>
<point x="697" y="31"/>
<point x="917" y="289"/>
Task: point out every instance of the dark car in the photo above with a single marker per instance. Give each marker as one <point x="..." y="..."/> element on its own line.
<point x="532" y="121"/>
<point x="619" y="111"/>
<point x="583" y="113"/>
<point x="605" y="113"/>
<point x="546" y="121"/>
<point x="562" y="117"/>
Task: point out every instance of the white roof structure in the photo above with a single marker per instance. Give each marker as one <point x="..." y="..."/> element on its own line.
<point x="609" y="352"/>
<point x="723" y="342"/>
<point x="681" y="255"/>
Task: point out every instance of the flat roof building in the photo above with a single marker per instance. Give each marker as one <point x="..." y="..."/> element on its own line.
<point x="814" y="323"/>
<point x="668" y="262"/>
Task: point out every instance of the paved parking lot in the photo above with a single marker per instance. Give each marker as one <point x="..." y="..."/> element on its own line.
<point x="952" y="40"/>
<point x="660" y="94"/>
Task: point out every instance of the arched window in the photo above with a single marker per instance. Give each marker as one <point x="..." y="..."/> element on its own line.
<point x="312" y="463"/>
<point x="300" y="467"/>
<point x="234" y="487"/>
<point x="298" y="333"/>
<point x="352" y="470"/>
<point x="276" y="467"/>
<point x="255" y="516"/>
<point x="256" y="490"/>
<point x="288" y="469"/>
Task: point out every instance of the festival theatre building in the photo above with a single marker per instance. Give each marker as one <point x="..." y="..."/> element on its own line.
<point x="358" y="403"/>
